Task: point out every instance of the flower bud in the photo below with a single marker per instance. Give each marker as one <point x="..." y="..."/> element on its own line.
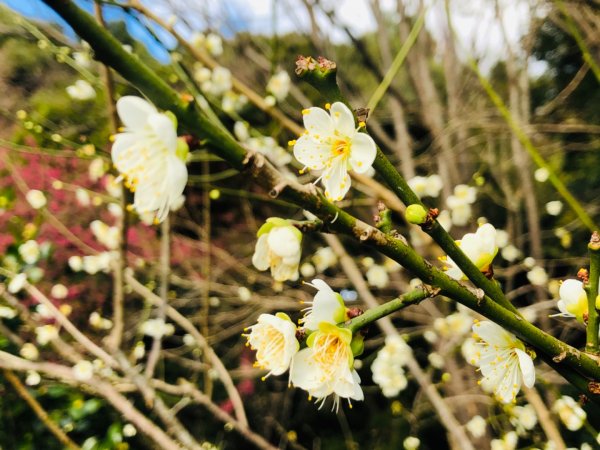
<point x="415" y="214"/>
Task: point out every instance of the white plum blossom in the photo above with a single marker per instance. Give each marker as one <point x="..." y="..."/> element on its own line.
<point x="573" y="300"/>
<point x="307" y="270"/>
<point x="479" y="247"/>
<point x="279" y="247"/>
<point x="274" y="339"/>
<point x="333" y="144"/>
<point x="36" y="198"/>
<point x="82" y="196"/>
<point x="411" y="443"/>
<point x="148" y="155"/>
<point x="503" y="361"/>
<point x="508" y="442"/>
<point x="33" y="378"/>
<point x="455" y="324"/>
<point x="279" y="85"/>
<point x="17" y="283"/>
<point x="326" y="307"/>
<point x="377" y="276"/>
<point x="510" y="253"/>
<point x="29" y="252"/>
<point x="214" y="44"/>
<point x="96" y="169"/>
<point x="29" y="351"/>
<point x="269" y="147"/>
<point x="460" y="203"/>
<point x="524" y="418"/>
<point x="541" y="175"/>
<point x="83" y="370"/>
<point x="476" y="426"/>
<point x="324" y="258"/>
<point x="325" y="367"/>
<point x="554" y="207"/>
<point x="106" y="235"/>
<point x="387" y="368"/>
<point x="59" y="291"/>
<point x="129" y="430"/>
<point x="537" y="276"/>
<point x="220" y="81"/>
<point x="426" y="186"/>
<point x="45" y="334"/>
<point x="7" y="312"/>
<point x="75" y="263"/>
<point x="157" y="328"/>
<point x="81" y="90"/>
<point x="570" y="413"/>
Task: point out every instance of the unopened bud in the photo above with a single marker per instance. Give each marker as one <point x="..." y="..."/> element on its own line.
<point x="415" y="214"/>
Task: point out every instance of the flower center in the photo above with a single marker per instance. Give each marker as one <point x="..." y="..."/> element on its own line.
<point x="340" y="147"/>
<point x="330" y="352"/>
<point x="269" y="345"/>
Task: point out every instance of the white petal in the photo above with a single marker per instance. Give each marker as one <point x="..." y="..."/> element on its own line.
<point x="362" y="153"/>
<point x="304" y="372"/>
<point x="260" y="259"/>
<point x="165" y="130"/>
<point x="134" y="111"/>
<point x="318" y="122"/>
<point x="527" y="368"/>
<point x="284" y="272"/>
<point x="343" y="119"/>
<point x="336" y="179"/>
<point x="494" y="334"/>
<point x="123" y="142"/>
<point x="311" y="152"/>
<point x="284" y="242"/>
<point x="177" y="176"/>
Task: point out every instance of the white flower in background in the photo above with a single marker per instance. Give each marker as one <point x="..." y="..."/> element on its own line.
<point x="139" y="350"/>
<point x="44" y="312"/>
<point x="501" y="238"/>
<point x="33" y="378"/>
<point x="99" y="322"/>
<point x="554" y="207"/>
<point x="7" y="312"/>
<point x="503" y="361"/>
<point x="480" y="248"/>
<point x="476" y="426"/>
<point x="29" y="351"/>
<point x="83" y="197"/>
<point x="270" y="100"/>
<point x="529" y="262"/>
<point x="75" y="263"/>
<point x="445" y="220"/>
<point x="541" y="175"/>
<point x="333" y="144"/>
<point x="82" y="59"/>
<point x="537" y="276"/>
<point x="93" y="264"/>
<point x="274" y="339"/>
<point x="461" y="214"/>
<point x="197" y="39"/>
<point x="279" y="85"/>
<point x="307" y="270"/>
<point x="36" y="199"/>
<point x="325" y="367"/>
<point x="387" y="367"/>
<point x="455" y="324"/>
<point x="241" y="132"/>
<point x="430" y="336"/>
<point x="510" y="253"/>
<point x="214" y="44"/>
<point x="81" y="90"/>
<point x="219" y="83"/>
<point x="327" y="306"/>
<point x="202" y="74"/>
<point x="508" y="442"/>
<point x="279" y="247"/>
<point x="29" y="252"/>
<point x="115" y="209"/>
<point x="107" y="236"/>
<point x="426" y="186"/>
<point x="244" y="294"/>
<point x="324" y="258"/>
<point x="59" y="291"/>
<point x="147" y="153"/>
<point x="232" y="102"/>
<point x="157" y="328"/>
<point x="17" y="283"/>
<point x="573" y="300"/>
<point x="83" y="370"/>
<point x="269" y="147"/>
<point x="45" y="334"/>
<point x="96" y="169"/>
<point x="436" y="360"/>
<point x="129" y="430"/>
<point x="377" y="276"/>
<point x="523" y="417"/>
<point x="411" y="443"/>
<point x="570" y="413"/>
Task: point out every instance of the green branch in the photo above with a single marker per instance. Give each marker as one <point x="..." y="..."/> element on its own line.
<point x="109" y="51"/>
<point x="373" y="314"/>
<point x="593" y="325"/>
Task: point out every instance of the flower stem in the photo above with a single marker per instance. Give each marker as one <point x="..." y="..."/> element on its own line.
<point x="373" y="314"/>
<point x="593" y="325"/>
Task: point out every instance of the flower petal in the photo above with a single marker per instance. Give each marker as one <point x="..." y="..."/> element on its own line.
<point x="260" y="258"/>
<point x="164" y="129"/>
<point x="311" y="152"/>
<point x="362" y="153"/>
<point x="343" y="119"/>
<point x="336" y="179"/>
<point x="494" y="334"/>
<point x="318" y="122"/>
<point x="527" y="368"/>
<point x="304" y="372"/>
<point x="134" y="111"/>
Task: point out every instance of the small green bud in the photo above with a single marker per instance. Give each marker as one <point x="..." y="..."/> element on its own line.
<point x="415" y="214"/>
<point x="172" y="116"/>
<point x="598" y="302"/>
<point x="182" y="149"/>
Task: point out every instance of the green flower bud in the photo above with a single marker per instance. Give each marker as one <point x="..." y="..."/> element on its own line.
<point x="415" y="214"/>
